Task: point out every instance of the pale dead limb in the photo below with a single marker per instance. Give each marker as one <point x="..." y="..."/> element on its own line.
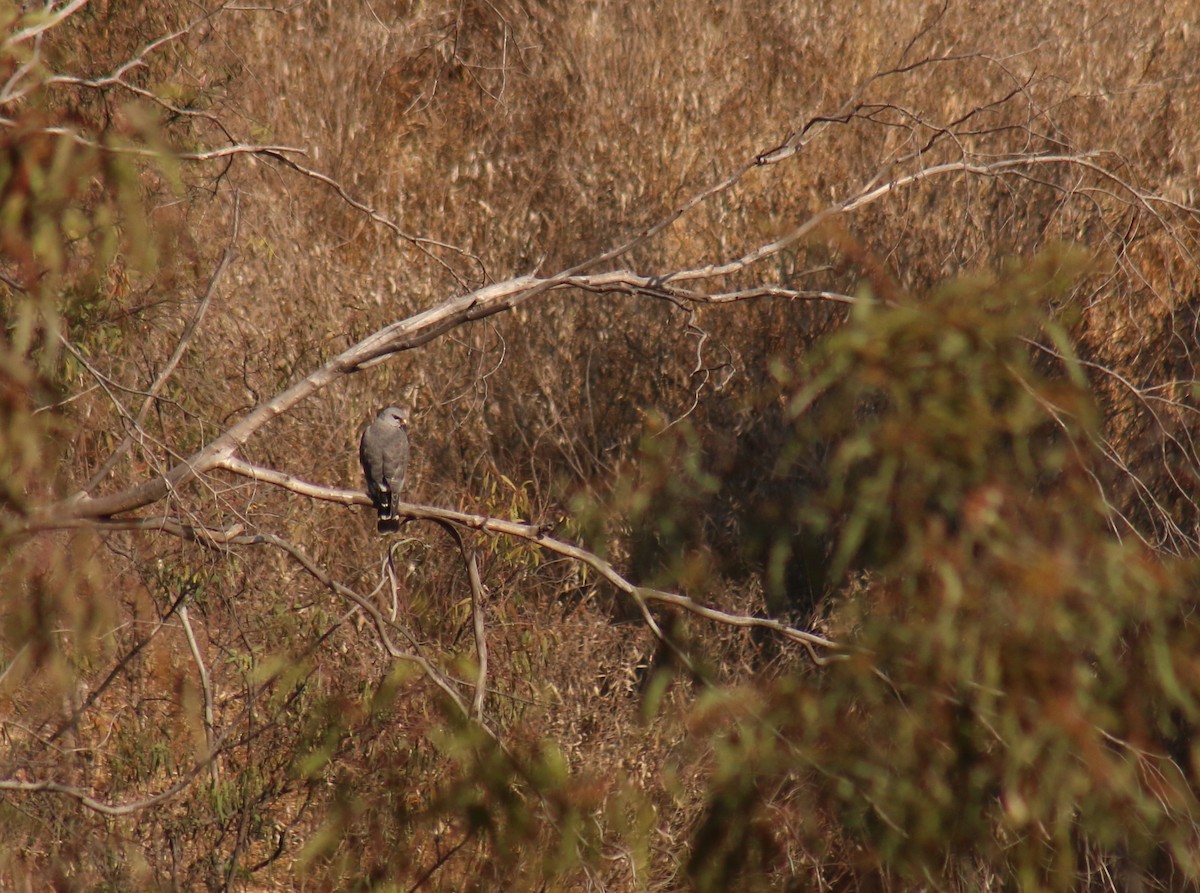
<point x="427" y="325"/>
<point x="539" y="535"/>
<point x="234" y="149"/>
<point x="393" y="584"/>
<point x="400" y="336"/>
<point x="100" y="806"/>
<point x="530" y="532"/>
<point x="205" y="687"/>
<point x="478" y="623"/>
<point x="627" y="282"/>
<point x="115" y="78"/>
<point x="403" y="335"/>
<point x="51" y="21"/>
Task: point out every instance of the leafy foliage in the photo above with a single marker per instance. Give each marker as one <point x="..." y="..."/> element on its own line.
<point x="1016" y="699"/>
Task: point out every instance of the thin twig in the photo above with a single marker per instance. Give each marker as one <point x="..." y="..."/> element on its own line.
<point x="205" y="687"/>
<point x="478" y="623"/>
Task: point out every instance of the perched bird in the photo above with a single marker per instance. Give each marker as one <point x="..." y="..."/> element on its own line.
<point x="383" y="452"/>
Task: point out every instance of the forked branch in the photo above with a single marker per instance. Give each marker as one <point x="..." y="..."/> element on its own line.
<point x="423" y="327"/>
<point x="820" y="649"/>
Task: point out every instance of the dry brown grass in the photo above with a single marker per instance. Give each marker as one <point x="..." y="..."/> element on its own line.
<point x="499" y="139"/>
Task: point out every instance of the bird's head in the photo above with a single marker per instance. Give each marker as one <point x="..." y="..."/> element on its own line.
<point x="394" y="415"/>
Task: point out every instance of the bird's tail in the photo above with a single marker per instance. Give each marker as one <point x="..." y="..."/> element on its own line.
<point x="388" y="525"/>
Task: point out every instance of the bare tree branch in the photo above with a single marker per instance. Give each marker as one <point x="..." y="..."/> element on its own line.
<point x="53" y="20"/>
<point x="494" y="526"/>
<point x="100" y="806"/>
<point x="234" y="149"/>
<point x="478" y="622"/>
<point x="427" y="325"/>
<point x="205" y="685"/>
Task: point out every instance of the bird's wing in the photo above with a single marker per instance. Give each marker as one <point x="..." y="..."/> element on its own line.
<point x="395" y="460"/>
<point x="371" y="457"/>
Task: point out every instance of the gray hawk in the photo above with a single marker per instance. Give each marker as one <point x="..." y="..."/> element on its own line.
<point x="383" y="452"/>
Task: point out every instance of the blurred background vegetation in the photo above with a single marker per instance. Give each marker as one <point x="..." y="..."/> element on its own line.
<point x="963" y="446"/>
